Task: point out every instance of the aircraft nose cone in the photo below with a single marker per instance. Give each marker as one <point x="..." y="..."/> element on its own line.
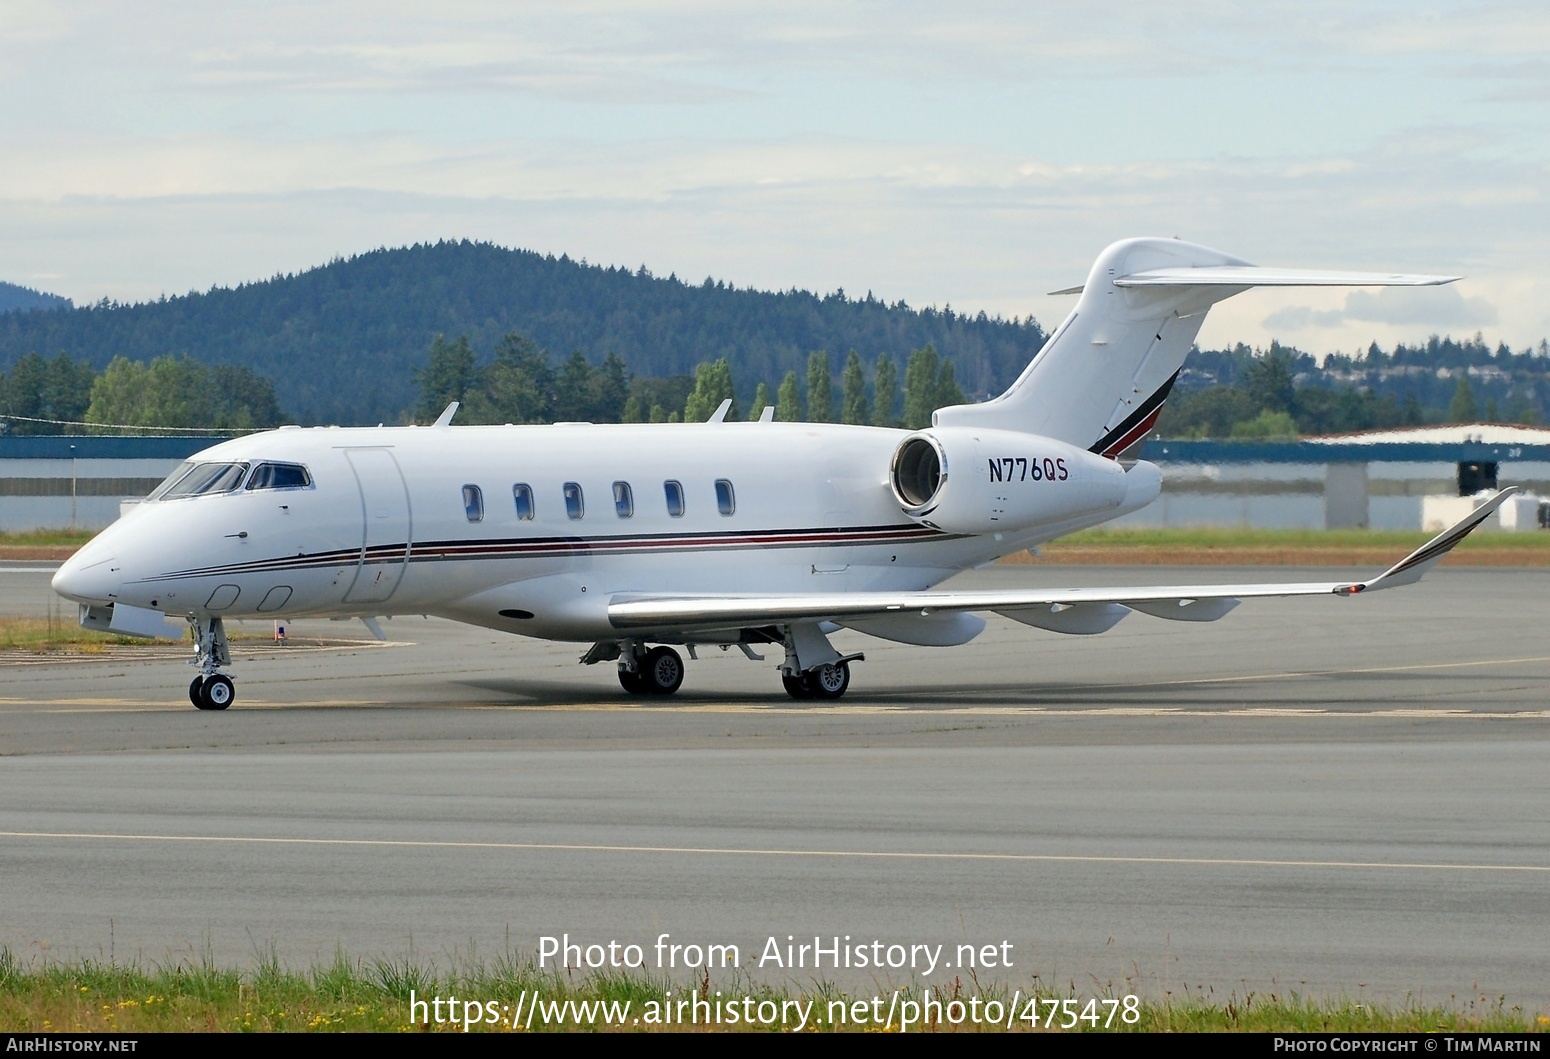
<point x="88" y="577"/>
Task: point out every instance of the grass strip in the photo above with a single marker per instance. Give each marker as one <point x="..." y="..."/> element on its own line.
<point x="57" y="634"/>
<point x="47" y="537"/>
<point x="352" y="995"/>
<point x="1262" y="547"/>
<point x="51" y="634"/>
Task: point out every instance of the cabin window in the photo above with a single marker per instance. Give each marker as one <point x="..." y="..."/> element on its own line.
<point x="624" y="500"/>
<point x="726" y="500"/>
<point x="473" y="503"/>
<point x="675" y="498"/>
<point x="201" y="479"/>
<point x="522" y="497"/>
<point x="574" y="507"/>
<point x="280" y="476"/>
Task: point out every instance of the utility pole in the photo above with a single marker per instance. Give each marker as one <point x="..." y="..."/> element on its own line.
<point x="72" y="487"/>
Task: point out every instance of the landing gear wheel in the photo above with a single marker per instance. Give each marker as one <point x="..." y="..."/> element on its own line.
<point x="828" y="682"/>
<point x="217" y="693"/>
<point x="662" y="670"/>
<point x="194" y="689"/>
<point x="796" y="687"/>
<point x="633" y="681"/>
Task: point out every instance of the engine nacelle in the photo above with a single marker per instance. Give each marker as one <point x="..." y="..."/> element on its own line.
<point x="963" y="480"/>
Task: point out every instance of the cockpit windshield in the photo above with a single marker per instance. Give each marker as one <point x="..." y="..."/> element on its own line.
<point x="200" y="479"/>
<point x="279" y="476"/>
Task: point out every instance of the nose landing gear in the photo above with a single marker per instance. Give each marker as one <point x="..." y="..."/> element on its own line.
<point x="211" y="690"/>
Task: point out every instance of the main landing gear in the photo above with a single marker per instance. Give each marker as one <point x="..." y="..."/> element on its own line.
<point x="812" y="668"/>
<point x="659" y="671"/>
<point x="211" y="690"/>
<point x="820" y="682"/>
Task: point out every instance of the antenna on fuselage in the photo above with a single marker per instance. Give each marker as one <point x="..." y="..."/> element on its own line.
<point x="445" y="419"/>
<point x="720" y="414"/>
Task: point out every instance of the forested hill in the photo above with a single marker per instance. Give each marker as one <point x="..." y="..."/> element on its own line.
<point x="343" y="342"/>
<point x="13" y="298"/>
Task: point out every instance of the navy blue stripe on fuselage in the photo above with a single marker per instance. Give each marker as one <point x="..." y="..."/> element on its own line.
<point x="556" y="547"/>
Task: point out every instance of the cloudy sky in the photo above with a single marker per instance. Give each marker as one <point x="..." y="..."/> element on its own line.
<point x="976" y="154"/>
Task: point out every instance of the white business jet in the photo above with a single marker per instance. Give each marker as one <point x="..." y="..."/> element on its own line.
<point x="632" y="538"/>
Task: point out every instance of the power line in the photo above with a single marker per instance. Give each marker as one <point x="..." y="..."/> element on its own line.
<point x="201" y="431"/>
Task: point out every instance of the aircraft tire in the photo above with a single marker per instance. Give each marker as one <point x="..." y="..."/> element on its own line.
<point x="796" y="687"/>
<point x="633" y="681"/>
<point x="663" y="671"/>
<point x="828" y="682"/>
<point x="217" y="693"/>
<point x="193" y="691"/>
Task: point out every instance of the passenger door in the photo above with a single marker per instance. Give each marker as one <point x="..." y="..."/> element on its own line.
<point x="385" y="519"/>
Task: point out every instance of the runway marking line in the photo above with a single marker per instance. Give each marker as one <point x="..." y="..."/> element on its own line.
<point x="89" y="705"/>
<point x="1323" y="673"/>
<point x="97" y="706"/>
<point x="391" y="843"/>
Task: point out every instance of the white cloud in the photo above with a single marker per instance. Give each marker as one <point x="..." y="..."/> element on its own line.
<point x="977" y="154"/>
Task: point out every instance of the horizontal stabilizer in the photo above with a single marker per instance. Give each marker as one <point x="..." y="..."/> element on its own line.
<point x="1254" y="276"/>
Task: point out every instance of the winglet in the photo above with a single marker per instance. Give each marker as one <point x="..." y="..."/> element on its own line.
<point x="1409" y="569"/>
<point x="445" y="419"/>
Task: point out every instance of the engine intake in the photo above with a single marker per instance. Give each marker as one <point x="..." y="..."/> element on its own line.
<point x="919" y="472"/>
<point x="963" y="480"/>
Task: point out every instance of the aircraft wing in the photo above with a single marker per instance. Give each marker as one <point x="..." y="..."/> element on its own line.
<point x="1077" y="610"/>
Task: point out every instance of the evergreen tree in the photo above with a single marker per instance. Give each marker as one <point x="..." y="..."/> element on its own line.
<point x="885" y="393"/>
<point x="518" y="387"/>
<point x="1269" y="381"/>
<point x="788" y="403"/>
<point x="820" y="388"/>
<point x="855" y="408"/>
<point x="1520" y="408"/>
<point x="712" y="385"/>
<point x="448" y="376"/>
<point x="58" y="390"/>
<point x="947" y="389"/>
<point x="922" y="384"/>
<point x="572" y="397"/>
<point x="1463" y="408"/>
<point x="635" y="409"/>
<point x="238" y="399"/>
<point x="609" y="390"/>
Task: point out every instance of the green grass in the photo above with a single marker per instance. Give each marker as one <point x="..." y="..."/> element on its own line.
<point x="58" y="633"/>
<point x="46" y="538"/>
<point x="44" y="634"/>
<point x="373" y="995"/>
<point x="1224" y="537"/>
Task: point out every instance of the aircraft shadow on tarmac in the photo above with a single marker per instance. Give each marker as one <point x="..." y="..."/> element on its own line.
<point x="1329" y="691"/>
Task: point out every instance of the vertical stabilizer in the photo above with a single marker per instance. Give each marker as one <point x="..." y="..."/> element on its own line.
<point x="1101" y="379"/>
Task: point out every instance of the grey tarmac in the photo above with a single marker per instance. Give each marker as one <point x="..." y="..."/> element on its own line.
<point x="1341" y="797"/>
